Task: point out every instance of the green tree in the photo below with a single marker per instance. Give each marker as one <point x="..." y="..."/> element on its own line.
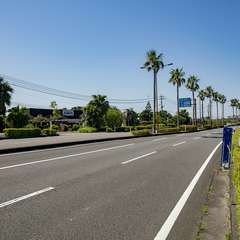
<point x="114" y="118"/>
<point x="17" y="117"/>
<point x="166" y="117"/>
<point x="147" y="114"/>
<point x="209" y="94"/>
<point x="2" y="122"/>
<point x="96" y="111"/>
<point x="177" y="78"/>
<point x="234" y="103"/>
<point x="216" y="97"/>
<point x="55" y="112"/>
<point x="201" y="95"/>
<point x="193" y="86"/>
<point x="184" y="117"/>
<point x="222" y="100"/>
<point x="5" y="95"/>
<point x="131" y="117"/>
<point x="154" y="62"/>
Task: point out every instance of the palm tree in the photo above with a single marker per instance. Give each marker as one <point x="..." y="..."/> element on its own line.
<point x="216" y="96"/>
<point x="192" y="85"/>
<point x="201" y="95"/>
<point x="222" y="100"/>
<point x="209" y="94"/>
<point x="154" y="62"/>
<point x="5" y="95"/>
<point x="177" y="78"/>
<point x="234" y="103"/>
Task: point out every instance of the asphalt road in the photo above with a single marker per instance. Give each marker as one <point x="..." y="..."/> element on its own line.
<point x="129" y="189"/>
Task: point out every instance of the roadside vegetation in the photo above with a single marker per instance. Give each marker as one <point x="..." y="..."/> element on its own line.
<point x="100" y="116"/>
<point x="236" y="173"/>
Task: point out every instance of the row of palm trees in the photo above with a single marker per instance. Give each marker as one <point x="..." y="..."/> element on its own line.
<point x="154" y="62"/>
<point x="235" y="104"/>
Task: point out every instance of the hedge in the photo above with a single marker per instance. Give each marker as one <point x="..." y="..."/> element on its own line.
<point x="188" y="128"/>
<point x="144" y="132"/>
<point x="49" y="132"/>
<point x="168" y="130"/>
<point x="22" y="132"/>
<point x="87" y="130"/>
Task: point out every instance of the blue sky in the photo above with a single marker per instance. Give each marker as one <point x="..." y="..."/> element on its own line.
<point x="97" y="47"/>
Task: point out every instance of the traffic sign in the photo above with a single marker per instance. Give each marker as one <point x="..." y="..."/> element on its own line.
<point x="185" y="102"/>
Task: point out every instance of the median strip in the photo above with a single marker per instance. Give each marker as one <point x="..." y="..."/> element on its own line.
<point x="134" y="159"/>
<point x="25" y="197"/>
<point x="67" y="156"/>
<point x="176" y="144"/>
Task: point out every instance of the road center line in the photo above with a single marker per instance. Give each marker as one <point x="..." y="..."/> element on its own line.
<point x="176" y="144"/>
<point x="67" y="156"/>
<point x="134" y="159"/>
<point x="25" y="197"/>
<point x="168" y="224"/>
<point x="158" y="139"/>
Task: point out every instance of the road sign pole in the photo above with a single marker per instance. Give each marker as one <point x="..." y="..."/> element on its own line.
<point x="226" y="147"/>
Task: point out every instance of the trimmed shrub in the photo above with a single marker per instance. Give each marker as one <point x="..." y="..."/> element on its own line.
<point x="143" y="127"/>
<point x="168" y="130"/>
<point x="49" y="132"/>
<point x="75" y="127"/>
<point x="87" y="130"/>
<point x="143" y="132"/>
<point x="30" y="125"/>
<point x="55" y="127"/>
<point x="108" y="129"/>
<point x="22" y="132"/>
<point x="188" y="128"/>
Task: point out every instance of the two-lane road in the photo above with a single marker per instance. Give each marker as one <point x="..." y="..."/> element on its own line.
<point x="128" y="189"/>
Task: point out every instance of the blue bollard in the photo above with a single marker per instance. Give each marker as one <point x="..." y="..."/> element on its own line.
<point x="226" y="147"/>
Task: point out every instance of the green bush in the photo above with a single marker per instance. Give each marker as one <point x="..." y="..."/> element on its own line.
<point x="22" y="132"/>
<point x="143" y="132"/>
<point x="168" y="130"/>
<point x="108" y="129"/>
<point x="75" y="127"/>
<point x="122" y="129"/>
<point x="143" y="127"/>
<point x="188" y="128"/>
<point x="29" y="125"/>
<point x="49" y="132"/>
<point x="87" y="130"/>
<point x="55" y="127"/>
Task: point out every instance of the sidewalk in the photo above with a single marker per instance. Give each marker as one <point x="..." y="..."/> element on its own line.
<point x="64" y="139"/>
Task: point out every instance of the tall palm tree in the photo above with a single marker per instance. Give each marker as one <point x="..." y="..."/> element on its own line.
<point x="177" y="78"/>
<point x="234" y="103"/>
<point x="222" y="100"/>
<point x="193" y="86"/>
<point x="5" y="95"/>
<point x="154" y="62"/>
<point x="209" y="94"/>
<point x="201" y="95"/>
<point x="216" y="96"/>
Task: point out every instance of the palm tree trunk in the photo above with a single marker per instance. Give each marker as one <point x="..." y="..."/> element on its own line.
<point x="156" y="95"/>
<point x="154" y="102"/>
<point x="233" y="112"/>
<point x="193" y="109"/>
<point x="202" y="112"/>
<point x="217" y="109"/>
<point x="177" y="106"/>
<point x="223" y="113"/>
<point x="210" y="110"/>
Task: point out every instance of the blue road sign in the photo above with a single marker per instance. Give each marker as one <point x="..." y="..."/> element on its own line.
<point x="185" y="102"/>
<point x="226" y="147"/>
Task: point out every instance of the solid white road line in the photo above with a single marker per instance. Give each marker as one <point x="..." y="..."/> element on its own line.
<point x="176" y="144"/>
<point x="67" y="156"/>
<point x="25" y="197"/>
<point x="158" y="139"/>
<point x="134" y="159"/>
<point x="168" y="224"/>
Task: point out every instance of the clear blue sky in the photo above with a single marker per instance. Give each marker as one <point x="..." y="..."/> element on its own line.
<point x="93" y="47"/>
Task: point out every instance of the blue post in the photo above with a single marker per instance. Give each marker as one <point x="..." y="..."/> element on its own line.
<point x="226" y="147"/>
